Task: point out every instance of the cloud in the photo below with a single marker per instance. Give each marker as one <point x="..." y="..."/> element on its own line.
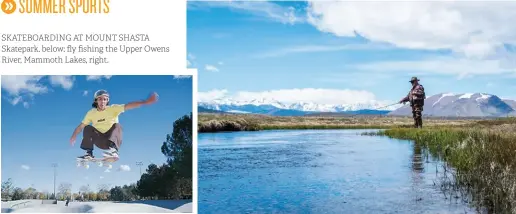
<point x="321" y="48"/>
<point x="476" y="30"/>
<point x="107" y="170"/>
<point x="124" y="168"/>
<point x="15" y="100"/>
<point x="15" y="85"/>
<point x="101" y="177"/>
<point x="98" y="77"/>
<point x="459" y="67"/>
<point x="220" y="63"/>
<point x="26" y="167"/>
<point x="190" y="59"/>
<point x="191" y="56"/>
<point x="211" y="95"/>
<point x="271" y="11"/>
<point x="22" y="88"/>
<point x="471" y="29"/>
<point x="84" y="93"/>
<point x="211" y="68"/>
<point x="182" y="76"/>
<point x="65" y="82"/>
<point x="296" y="95"/>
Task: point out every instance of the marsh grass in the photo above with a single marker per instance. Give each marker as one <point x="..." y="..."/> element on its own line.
<point x="480" y="159"/>
<point x="209" y="122"/>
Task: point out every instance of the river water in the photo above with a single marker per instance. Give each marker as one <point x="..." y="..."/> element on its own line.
<point x="317" y="171"/>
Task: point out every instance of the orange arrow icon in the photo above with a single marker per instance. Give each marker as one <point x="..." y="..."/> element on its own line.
<point x="8" y="6"/>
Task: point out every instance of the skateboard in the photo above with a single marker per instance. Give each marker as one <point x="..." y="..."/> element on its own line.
<point x="105" y="161"/>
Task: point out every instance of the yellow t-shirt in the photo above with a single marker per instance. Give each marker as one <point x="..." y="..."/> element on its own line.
<point x="104" y="120"/>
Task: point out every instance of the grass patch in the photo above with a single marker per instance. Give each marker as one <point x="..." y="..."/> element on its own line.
<point x="214" y="122"/>
<point x="482" y="157"/>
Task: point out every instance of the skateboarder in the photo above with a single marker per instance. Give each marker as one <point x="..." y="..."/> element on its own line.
<point x="105" y="131"/>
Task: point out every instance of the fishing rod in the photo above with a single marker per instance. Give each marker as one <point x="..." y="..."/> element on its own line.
<point x="377" y="108"/>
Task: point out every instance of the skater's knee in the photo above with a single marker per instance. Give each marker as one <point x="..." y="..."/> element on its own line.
<point x="88" y="128"/>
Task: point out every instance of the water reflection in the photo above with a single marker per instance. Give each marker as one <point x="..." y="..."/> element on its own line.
<point x="417" y="159"/>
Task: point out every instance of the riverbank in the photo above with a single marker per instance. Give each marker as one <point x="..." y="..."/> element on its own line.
<point x="482" y="155"/>
<point x="214" y="122"/>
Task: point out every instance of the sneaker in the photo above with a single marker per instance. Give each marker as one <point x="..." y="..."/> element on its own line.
<point x="111" y="153"/>
<point x="88" y="155"/>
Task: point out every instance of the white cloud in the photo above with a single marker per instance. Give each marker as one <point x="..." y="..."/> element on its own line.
<point x="26" y="167"/>
<point x="98" y="77"/>
<point x="125" y="168"/>
<point x="221" y="63"/>
<point x="321" y="48"/>
<point x="288" y="96"/>
<point x="22" y="88"/>
<point x="15" y="100"/>
<point x="84" y="93"/>
<point x="475" y="30"/>
<point x="15" y="85"/>
<point x="191" y="56"/>
<point x="182" y="76"/>
<point x="211" y="68"/>
<point x="444" y="66"/>
<point x="101" y="177"/>
<point x="107" y="170"/>
<point x="190" y="59"/>
<point x="472" y="29"/>
<point x="286" y="15"/>
<point x="63" y="81"/>
<point x="211" y="95"/>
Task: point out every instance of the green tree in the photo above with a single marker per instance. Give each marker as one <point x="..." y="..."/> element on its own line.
<point x="18" y="194"/>
<point x="178" y="146"/>
<point x="30" y="193"/>
<point x="172" y="180"/>
<point x="7" y="189"/>
<point x="116" y="194"/>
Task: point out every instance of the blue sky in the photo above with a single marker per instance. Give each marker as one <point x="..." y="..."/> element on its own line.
<point x="255" y="49"/>
<point x="40" y="113"/>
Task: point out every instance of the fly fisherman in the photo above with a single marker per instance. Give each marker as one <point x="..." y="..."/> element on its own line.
<point x="416" y="97"/>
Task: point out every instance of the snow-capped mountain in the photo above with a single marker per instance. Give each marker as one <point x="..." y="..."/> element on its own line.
<point x="463" y="105"/>
<point x="442" y="105"/>
<point x="274" y="107"/>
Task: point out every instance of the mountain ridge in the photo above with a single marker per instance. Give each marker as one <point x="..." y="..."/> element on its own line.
<point x="441" y="104"/>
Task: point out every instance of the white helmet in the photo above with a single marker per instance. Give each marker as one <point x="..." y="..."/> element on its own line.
<point x="100" y="93"/>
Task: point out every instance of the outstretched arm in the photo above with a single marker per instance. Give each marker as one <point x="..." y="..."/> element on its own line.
<point x="404" y="99"/>
<point x="77" y="130"/>
<point x="152" y="99"/>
